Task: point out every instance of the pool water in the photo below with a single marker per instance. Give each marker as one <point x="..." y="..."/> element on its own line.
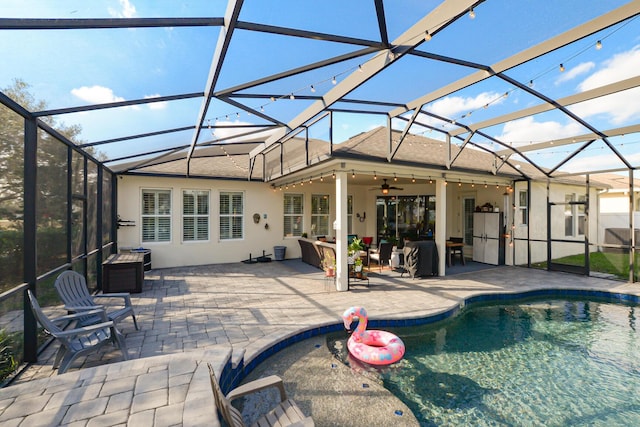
<point x="552" y="363"/>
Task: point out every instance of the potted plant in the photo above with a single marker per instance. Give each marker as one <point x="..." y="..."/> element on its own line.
<point x="355" y="247"/>
<point x="357" y="265"/>
<point x="329" y="265"/>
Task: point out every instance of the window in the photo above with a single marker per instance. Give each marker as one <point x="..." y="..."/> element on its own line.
<point x="293" y="211"/>
<point x="469" y="209"/>
<point x="523" y="207"/>
<point x="349" y="214"/>
<point x="156" y="215"/>
<point x="582" y="218"/>
<point x="195" y="215"/>
<point x="568" y="214"/>
<point x="231" y="216"/>
<point x="319" y="214"/>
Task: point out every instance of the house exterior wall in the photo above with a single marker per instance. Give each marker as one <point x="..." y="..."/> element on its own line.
<point x="614" y="212"/>
<point x="258" y="198"/>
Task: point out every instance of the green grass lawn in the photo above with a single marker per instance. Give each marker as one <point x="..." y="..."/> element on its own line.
<point x="602" y="262"/>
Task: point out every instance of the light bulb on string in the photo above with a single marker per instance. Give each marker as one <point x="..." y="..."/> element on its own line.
<point x="598" y="45"/>
<point x="472" y="14"/>
<point x="427" y="36"/>
<point x="562" y="68"/>
<point x="333" y="80"/>
<point x="313" y="89"/>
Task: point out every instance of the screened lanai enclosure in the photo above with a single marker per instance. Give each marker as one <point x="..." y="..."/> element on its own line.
<point x="444" y="100"/>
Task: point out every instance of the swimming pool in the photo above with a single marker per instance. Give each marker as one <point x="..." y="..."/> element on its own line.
<point x="546" y="363"/>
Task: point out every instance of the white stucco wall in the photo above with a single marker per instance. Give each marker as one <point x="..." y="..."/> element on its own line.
<point x="258" y="198"/>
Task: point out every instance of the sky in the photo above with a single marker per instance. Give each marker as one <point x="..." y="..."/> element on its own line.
<point x="80" y="67"/>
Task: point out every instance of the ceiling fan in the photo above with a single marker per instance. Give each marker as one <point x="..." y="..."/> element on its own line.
<point x="386" y="187"/>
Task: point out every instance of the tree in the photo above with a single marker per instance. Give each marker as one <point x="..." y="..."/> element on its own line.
<point x="51" y="202"/>
<point x="52" y="157"/>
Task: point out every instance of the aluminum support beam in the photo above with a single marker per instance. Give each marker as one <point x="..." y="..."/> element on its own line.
<point x="440" y="17"/>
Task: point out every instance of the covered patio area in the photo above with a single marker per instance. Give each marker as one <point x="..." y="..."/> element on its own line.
<point x="238" y="312"/>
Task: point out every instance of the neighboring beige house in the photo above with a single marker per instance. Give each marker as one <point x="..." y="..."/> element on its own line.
<point x="616" y="203"/>
<point x="228" y="218"/>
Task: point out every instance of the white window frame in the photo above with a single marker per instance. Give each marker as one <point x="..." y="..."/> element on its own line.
<point x="523" y="209"/>
<point x="228" y="235"/>
<point x="199" y="218"/>
<point x="296" y="219"/>
<point x="318" y="217"/>
<point x="156" y="216"/>
<point x="581" y="215"/>
<point x="569" y="214"/>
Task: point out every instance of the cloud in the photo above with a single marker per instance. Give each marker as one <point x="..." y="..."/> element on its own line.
<point x="620" y="67"/>
<point x="223" y="133"/>
<point x="156" y="105"/>
<point x="574" y="72"/>
<point x="526" y="130"/>
<point x="602" y="161"/>
<point x="96" y="94"/>
<point x="454" y="106"/>
<point x="618" y="107"/>
<point x="128" y="10"/>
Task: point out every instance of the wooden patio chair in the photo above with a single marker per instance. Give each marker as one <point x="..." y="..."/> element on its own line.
<point x="74" y="293"/>
<point x="287" y="413"/>
<point x="80" y="341"/>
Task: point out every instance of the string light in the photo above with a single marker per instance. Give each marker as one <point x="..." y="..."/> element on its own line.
<point x="353" y="173"/>
<point x="427" y="37"/>
<point x="375" y="177"/>
<point x="413" y="178"/>
<point x="395" y="178"/>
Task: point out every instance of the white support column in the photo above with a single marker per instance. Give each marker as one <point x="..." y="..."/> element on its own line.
<point x="441" y="224"/>
<point x="342" y="270"/>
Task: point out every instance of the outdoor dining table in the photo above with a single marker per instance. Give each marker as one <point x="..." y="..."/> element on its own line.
<point x="454" y="245"/>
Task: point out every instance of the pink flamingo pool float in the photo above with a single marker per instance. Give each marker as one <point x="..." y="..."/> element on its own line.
<point x="371" y="346"/>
